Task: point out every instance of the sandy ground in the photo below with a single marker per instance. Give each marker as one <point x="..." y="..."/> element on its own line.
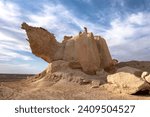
<point x="65" y="90"/>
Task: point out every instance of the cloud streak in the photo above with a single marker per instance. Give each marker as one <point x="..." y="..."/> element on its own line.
<point x="130" y="38"/>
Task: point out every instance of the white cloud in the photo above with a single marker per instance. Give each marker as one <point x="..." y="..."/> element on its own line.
<point x="61" y="21"/>
<point x="55" y="18"/>
<point x="9" y="11"/>
<point x="130" y="37"/>
<point x="9" y="31"/>
<point x="7" y="55"/>
<point x="8" y="42"/>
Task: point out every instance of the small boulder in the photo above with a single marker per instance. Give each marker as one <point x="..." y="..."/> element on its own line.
<point x="147" y="78"/>
<point x="95" y="84"/>
<point x="144" y="74"/>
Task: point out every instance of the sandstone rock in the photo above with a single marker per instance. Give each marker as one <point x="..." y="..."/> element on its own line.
<point x="43" y="44"/>
<point x="83" y="51"/>
<point x="87" y="53"/>
<point x="128" y="80"/>
<point x="95" y="83"/>
<point x="147" y="78"/>
<point x="75" y="65"/>
<point x="104" y="53"/>
<point x="57" y="66"/>
<point x="58" y="70"/>
<point x="144" y="74"/>
<point x="66" y="38"/>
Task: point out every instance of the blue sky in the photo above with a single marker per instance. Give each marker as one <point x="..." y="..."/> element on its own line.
<point x="125" y="24"/>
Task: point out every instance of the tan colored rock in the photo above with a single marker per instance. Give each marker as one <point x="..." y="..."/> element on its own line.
<point x="144" y="74"/>
<point x="57" y="66"/>
<point x="96" y="84"/>
<point x="147" y="78"/>
<point x="87" y="53"/>
<point x="69" y="52"/>
<point x="83" y="51"/>
<point x="104" y="53"/>
<point x="75" y="65"/>
<point x="128" y="80"/>
<point x="66" y="38"/>
<point x="59" y="70"/>
<point x="43" y="44"/>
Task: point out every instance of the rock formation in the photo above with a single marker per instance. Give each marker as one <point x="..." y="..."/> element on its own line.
<point x="83" y="51"/>
<point x="129" y="80"/>
<point x="83" y="58"/>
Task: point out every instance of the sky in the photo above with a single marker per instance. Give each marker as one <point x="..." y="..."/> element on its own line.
<point x="125" y="24"/>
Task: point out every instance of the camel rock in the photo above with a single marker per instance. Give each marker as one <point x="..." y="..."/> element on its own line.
<point x="83" y="51"/>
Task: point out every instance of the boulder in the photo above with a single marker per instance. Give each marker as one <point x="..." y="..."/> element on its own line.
<point x="128" y="80"/>
<point x="96" y="83"/>
<point x="144" y="74"/>
<point x="147" y="78"/>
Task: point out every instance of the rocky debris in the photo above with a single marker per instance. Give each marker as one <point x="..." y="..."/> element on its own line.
<point x="128" y="80"/>
<point x="96" y="84"/>
<point x="60" y="70"/>
<point x="84" y="51"/>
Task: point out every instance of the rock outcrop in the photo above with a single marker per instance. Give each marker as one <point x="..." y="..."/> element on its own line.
<point x="128" y="80"/>
<point x="83" y="51"/>
<point x="83" y="58"/>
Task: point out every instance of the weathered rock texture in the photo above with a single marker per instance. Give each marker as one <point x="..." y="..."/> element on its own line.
<point x="83" y="51"/>
<point x="82" y="59"/>
<point x="60" y="70"/>
<point x="129" y="80"/>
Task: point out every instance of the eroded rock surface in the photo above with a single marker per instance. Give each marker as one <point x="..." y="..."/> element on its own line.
<point x="85" y="51"/>
<point x="128" y="80"/>
<point x="83" y="59"/>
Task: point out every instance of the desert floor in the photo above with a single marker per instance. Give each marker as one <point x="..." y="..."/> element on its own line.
<point x="18" y="87"/>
